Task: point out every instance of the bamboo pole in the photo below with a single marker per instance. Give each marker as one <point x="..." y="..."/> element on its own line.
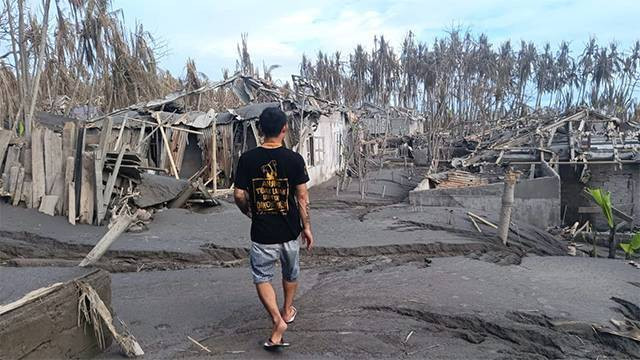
<point x="167" y="147"/>
<point x="214" y="155"/>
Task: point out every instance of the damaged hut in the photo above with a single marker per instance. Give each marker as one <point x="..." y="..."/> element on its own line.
<point x="582" y="149"/>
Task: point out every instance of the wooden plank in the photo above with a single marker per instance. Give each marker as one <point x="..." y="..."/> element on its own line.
<point x="13" y="179"/>
<point x="68" y="179"/>
<point x="87" y="197"/>
<point x="71" y="192"/>
<point x="5" y="137"/>
<point x="13" y="156"/>
<point x="111" y="182"/>
<point x="26" y="193"/>
<point x="58" y="190"/>
<point x="105" y="135"/>
<point x="17" y="195"/>
<point x="37" y="167"/>
<point x="99" y="186"/>
<point x="69" y="139"/>
<point x="52" y="161"/>
<point x="123" y="125"/>
<point x="26" y="162"/>
<point x="5" y="183"/>
<point x="48" y="204"/>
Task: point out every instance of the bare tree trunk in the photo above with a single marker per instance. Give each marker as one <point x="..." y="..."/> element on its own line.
<point x="507" y="204"/>
<point x="36" y="81"/>
<point x="24" y="64"/>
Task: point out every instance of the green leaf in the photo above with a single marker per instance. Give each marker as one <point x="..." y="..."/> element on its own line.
<point x="603" y="199"/>
<point x="635" y="241"/>
<point x="626" y="248"/>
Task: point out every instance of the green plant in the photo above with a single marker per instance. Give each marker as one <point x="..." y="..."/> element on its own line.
<point x="633" y="245"/>
<point x="603" y="199"/>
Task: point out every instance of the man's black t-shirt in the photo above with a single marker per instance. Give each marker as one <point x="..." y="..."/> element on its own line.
<point x="270" y="177"/>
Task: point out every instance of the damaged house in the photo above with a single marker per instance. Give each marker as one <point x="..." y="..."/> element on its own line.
<point x="140" y="148"/>
<point x="558" y="156"/>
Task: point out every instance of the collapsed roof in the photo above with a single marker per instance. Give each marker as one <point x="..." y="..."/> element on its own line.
<point x="581" y="137"/>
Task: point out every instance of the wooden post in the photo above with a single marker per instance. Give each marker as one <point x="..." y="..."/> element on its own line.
<point x="71" y="192"/>
<point x="87" y="197"/>
<point x="106" y="198"/>
<point x="98" y="192"/>
<point x="120" y="226"/>
<point x="510" y="180"/>
<point x="214" y="155"/>
<point x="167" y="147"/>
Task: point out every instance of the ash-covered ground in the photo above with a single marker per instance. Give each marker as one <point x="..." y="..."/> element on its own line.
<point x="386" y="280"/>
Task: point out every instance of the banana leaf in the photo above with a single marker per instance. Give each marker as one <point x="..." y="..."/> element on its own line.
<point x="603" y="199"/>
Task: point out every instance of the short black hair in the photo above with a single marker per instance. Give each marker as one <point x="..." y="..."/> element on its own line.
<point x="271" y="121"/>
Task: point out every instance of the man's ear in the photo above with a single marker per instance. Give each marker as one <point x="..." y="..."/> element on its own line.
<point x="285" y="128"/>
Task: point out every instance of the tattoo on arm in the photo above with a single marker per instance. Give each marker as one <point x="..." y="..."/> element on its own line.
<point x="242" y="202"/>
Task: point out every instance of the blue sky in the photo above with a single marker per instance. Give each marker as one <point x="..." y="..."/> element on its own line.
<point x="281" y="31"/>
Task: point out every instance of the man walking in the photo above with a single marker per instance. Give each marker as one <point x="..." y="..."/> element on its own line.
<point x="270" y="188"/>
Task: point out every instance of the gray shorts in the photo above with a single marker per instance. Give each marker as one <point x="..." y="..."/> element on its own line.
<point x="263" y="258"/>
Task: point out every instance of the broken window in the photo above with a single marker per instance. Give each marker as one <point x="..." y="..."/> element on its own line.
<point x="309" y="154"/>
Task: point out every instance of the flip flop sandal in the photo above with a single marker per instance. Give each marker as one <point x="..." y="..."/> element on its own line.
<point x="270" y="345"/>
<point x="295" y="312"/>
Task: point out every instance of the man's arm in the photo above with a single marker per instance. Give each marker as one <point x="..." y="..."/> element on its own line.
<point x="242" y="201"/>
<point x="302" y="196"/>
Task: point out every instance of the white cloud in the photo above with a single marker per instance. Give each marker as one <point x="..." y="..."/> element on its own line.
<point x="280" y="31"/>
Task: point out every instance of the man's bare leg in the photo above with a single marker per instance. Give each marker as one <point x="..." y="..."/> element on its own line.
<point x="268" y="298"/>
<point x="290" y="289"/>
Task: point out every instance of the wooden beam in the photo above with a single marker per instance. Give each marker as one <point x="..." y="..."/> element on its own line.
<point x="119" y="140"/>
<point x="214" y="153"/>
<point x="98" y="189"/>
<point x="121" y="224"/>
<point x="69" y="169"/>
<point x="17" y="194"/>
<point x="105" y="135"/>
<point x="167" y="147"/>
<point x="87" y="196"/>
<point x="14" y="171"/>
<point x="71" y="192"/>
<point x="111" y="183"/>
